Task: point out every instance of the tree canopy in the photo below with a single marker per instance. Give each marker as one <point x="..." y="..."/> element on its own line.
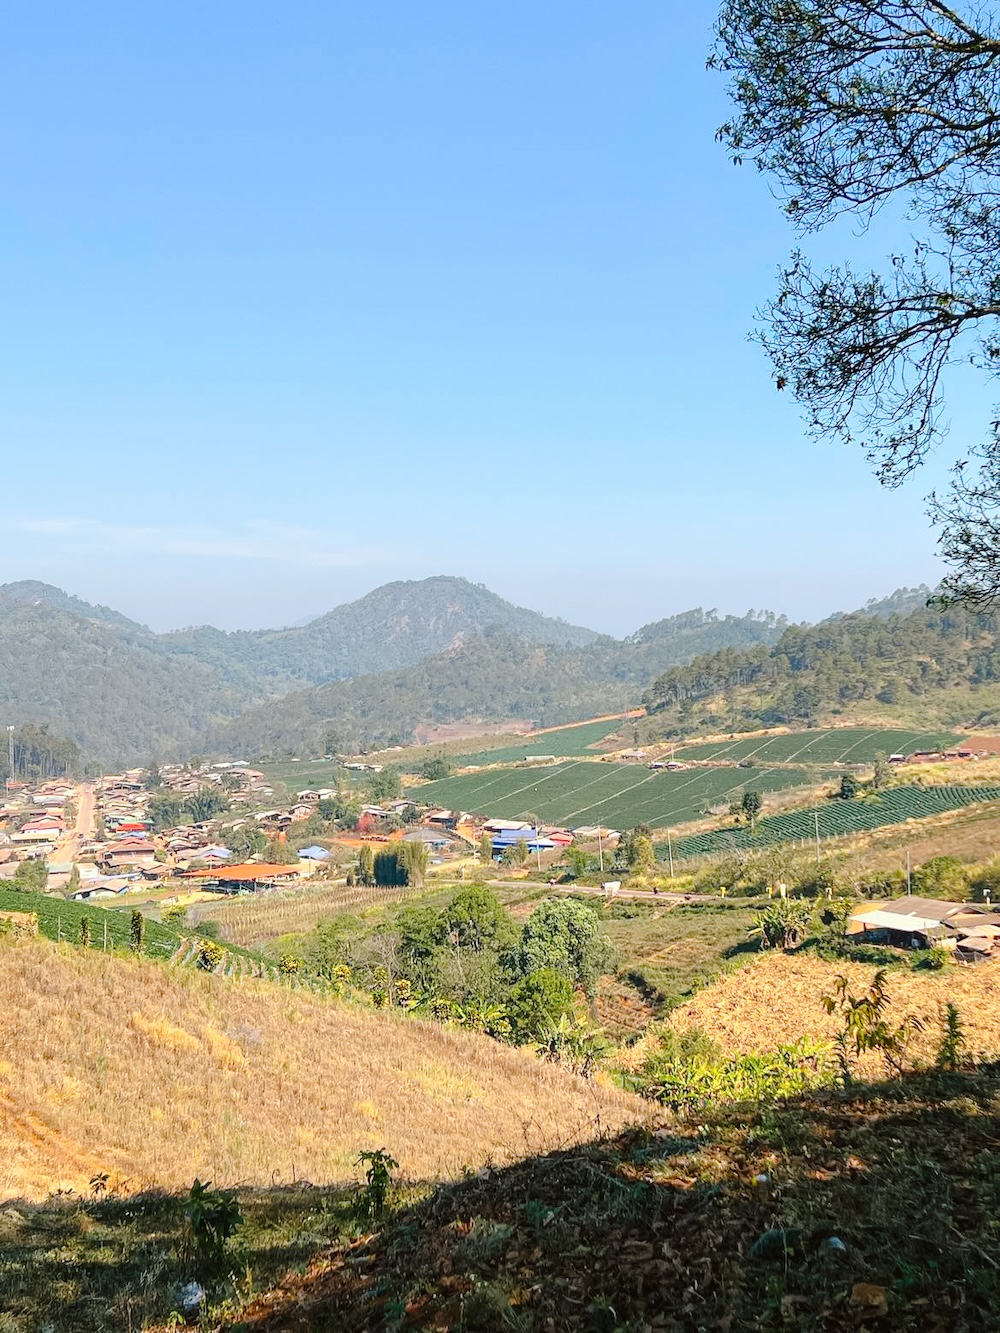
<point x="851" y="106"/>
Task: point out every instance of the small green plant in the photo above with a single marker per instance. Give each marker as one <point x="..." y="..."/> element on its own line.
<point x="84" y="932"/>
<point x="136" y="932"/>
<point x="690" y="1070"/>
<point x="213" y="1217"/>
<point x="951" y="1051"/>
<point x="379" y="1166"/>
<point x="289" y="965"/>
<point x="99" y="1184"/>
<point x="866" y="1025"/>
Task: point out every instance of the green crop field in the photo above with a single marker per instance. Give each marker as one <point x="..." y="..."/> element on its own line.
<point x="619" y="795"/>
<point x="834" y="819"/>
<point x="565" y="743"/>
<point x="310" y="774"/>
<point x="59" y="919"/>
<point x="839" y="745"/>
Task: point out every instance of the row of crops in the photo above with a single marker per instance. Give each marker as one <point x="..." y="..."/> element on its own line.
<point x="564" y="743"/>
<point x="834" y="819"/>
<point x="837" y="745"/>
<point x="59" y="919"/>
<point x="618" y="795"/>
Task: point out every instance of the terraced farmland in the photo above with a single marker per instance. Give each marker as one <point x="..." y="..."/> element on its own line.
<point x="60" y="920"/>
<point x="837" y="745"/>
<point x="619" y="795"/>
<point x="834" y="819"/>
<point x="564" y="743"/>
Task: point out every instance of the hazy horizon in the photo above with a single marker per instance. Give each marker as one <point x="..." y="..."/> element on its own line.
<point x="137" y="613"/>
<point x="297" y="304"/>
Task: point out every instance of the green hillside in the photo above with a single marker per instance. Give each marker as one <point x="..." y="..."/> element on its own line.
<point x="441" y="649"/>
<point x="618" y="795"/>
<point x="838" y="745"/>
<point x="496" y="675"/>
<point x="935" y="668"/>
<point x="835" y="818"/>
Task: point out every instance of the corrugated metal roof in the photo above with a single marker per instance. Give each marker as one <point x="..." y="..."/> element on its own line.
<point x="895" y="921"/>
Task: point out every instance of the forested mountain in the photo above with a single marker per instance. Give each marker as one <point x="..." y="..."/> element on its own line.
<point x="108" y="684"/>
<point x="495" y="676"/>
<point x="866" y="660"/>
<point x="899" y="603"/>
<point x="394" y="626"/>
<point x="121" y="692"/>
<point x="30" y="592"/>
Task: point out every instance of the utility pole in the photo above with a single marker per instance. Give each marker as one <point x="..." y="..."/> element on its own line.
<point x="670" y="854"/>
<point x="10" y="752"/>
<point x="908" y="886"/>
<point x="816" y="817"/>
<point x="600" y="848"/>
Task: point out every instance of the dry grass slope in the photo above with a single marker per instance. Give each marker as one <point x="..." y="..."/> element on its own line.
<point x="777" y="998"/>
<point x="156" y="1076"/>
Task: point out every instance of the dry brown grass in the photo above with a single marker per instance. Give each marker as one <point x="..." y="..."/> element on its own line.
<point x="776" y="998"/>
<point x="250" y="921"/>
<point x="156" y="1076"/>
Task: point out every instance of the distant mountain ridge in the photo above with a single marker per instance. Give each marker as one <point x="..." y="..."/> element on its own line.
<point x="396" y="625"/>
<point x="492" y="676"/>
<point x="122" y="692"/>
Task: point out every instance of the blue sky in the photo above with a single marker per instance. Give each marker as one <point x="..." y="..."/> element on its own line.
<point x="298" y="299"/>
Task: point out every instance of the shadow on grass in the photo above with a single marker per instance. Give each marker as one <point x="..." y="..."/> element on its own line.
<point x="88" y="1265"/>
<point x="874" y="1210"/>
<point x="869" y="1209"/>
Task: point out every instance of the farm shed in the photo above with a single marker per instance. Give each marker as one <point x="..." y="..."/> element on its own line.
<point x="250" y="875"/>
<point x="907" y="931"/>
<point x="916" y="923"/>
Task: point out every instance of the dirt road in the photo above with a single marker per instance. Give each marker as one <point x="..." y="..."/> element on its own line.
<point x="68" y="847"/>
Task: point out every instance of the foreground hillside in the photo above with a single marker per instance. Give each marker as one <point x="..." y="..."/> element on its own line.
<point x="155" y="1076"/>
<point x="874" y="1211"/>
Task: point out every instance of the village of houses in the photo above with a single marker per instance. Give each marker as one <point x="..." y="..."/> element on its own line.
<point x="98" y="842"/>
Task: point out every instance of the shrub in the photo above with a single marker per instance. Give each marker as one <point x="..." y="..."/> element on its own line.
<point x="210" y="955"/>
<point x="689" y="1070"/>
<point x="941" y="877"/>
<point x="136" y="932"/>
<point x="31" y="876"/>
<point x="783" y="923"/>
<point x="213" y="1217"/>
<point x="379" y="1166"/>
<point x="951" y="1051"/>
<point x="848" y="787"/>
<point x="538" y="1003"/>
<point x="866" y="1025"/>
